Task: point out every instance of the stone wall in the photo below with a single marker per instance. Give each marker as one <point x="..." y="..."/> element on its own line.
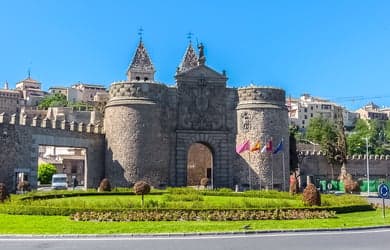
<point x="314" y="163"/>
<point x="20" y="140"/>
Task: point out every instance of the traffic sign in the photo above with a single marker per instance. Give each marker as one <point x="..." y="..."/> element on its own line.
<point x="383" y="191"/>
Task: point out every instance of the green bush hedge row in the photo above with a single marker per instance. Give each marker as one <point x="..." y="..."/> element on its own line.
<point x="228" y="192"/>
<point x="18" y="209"/>
<point x="200" y="215"/>
<point x="56" y="195"/>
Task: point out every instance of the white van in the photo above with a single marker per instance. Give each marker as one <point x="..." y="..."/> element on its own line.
<point x="59" y="181"/>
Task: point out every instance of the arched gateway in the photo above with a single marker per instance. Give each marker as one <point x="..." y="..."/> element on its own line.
<point x="199" y="164"/>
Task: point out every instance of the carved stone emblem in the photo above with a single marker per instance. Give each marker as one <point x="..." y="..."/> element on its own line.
<point x="246" y="121"/>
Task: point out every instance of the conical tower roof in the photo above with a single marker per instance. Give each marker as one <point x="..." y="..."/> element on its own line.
<point x="141" y="64"/>
<point x="190" y="59"/>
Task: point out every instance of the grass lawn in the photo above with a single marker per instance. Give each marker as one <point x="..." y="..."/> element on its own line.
<point x="127" y="201"/>
<point x="35" y="224"/>
<point x="205" y="201"/>
<point x="24" y="224"/>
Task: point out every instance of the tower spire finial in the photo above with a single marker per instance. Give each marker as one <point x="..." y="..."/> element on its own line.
<point x="141" y="66"/>
<point x="189" y="36"/>
<point x="202" y="58"/>
<point x="140" y="33"/>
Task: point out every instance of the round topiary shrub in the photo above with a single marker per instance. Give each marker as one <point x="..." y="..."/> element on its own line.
<point x="311" y="196"/>
<point x="350" y="185"/>
<point x="104" y="186"/>
<point x="141" y="188"/>
<point x="3" y="192"/>
<point x="204" y="182"/>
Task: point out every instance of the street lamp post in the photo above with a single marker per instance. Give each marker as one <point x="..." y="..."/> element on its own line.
<point x="368" y="168"/>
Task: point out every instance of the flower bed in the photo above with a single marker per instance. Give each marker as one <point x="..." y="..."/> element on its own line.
<point x="203" y="215"/>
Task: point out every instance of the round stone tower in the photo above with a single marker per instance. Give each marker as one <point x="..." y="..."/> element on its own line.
<point x="137" y="143"/>
<point x="262" y="119"/>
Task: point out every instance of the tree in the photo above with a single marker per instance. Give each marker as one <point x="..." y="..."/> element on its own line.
<point x="293" y="148"/>
<point x="45" y="172"/>
<point x="141" y="188"/>
<point x="377" y="133"/>
<point x="55" y="100"/>
<point x="331" y="139"/>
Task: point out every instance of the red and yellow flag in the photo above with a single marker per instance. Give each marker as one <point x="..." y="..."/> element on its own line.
<point x="255" y="147"/>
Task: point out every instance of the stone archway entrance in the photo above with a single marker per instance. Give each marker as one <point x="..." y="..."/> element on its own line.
<point x="199" y="164"/>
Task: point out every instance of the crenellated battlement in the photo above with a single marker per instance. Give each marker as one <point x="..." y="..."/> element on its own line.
<point x="137" y="90"/>
<point x="37" y="121"/>
<point x="261" y="96"/>
<point x="349" y="157"/>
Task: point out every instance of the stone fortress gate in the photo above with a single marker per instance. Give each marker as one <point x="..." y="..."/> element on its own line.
<point x="150" y="127"/>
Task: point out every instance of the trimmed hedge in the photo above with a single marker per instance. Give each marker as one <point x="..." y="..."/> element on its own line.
<point x="40" y="196"/>
<point x="203" y="215"/>
<point x="23" y="205"/>
<point x="66" y="211"/>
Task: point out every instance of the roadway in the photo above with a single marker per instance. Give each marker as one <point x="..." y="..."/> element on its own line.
<point x="346" y="240"/>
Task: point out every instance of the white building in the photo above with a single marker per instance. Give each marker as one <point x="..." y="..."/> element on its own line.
<point x="31" y="91"/>
<point x="301" y="110"/>
<point x="82" y="92"/>
<point x="372" y="111"/>
<point x="88" y="91"/>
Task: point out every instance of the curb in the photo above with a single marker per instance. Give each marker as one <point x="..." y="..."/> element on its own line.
<point x="176" y="235"/>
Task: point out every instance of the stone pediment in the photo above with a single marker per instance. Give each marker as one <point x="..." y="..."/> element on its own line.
<point x="201" y="71"/>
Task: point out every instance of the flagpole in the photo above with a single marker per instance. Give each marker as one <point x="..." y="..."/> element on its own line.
<point x="249" y="169"/>
<point x="272" y="172"/>
<point x="259" y="175"/>
<point x="284" y="173"/>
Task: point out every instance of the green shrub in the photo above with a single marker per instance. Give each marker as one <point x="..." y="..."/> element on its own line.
<point x="141" y="188"/>
<point x="181" y="190"/>
<point x="311" y="196"/>
<point x="183" y="197"/>
<point x="4" y="195"/>
<point x="202" y="215"/>
<point x="104" y="186"/>
<point x="45" y="172"/>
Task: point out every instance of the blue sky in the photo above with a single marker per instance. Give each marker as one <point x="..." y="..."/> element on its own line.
<point x="334" y="49"/>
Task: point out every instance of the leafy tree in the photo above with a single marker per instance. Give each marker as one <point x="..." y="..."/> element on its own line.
<point x="55" y="100"/>
<point x="293" y="148"/>
<point x="45" y="172"/>
<point x="331" y="139"/>
<point x="387" y="131"/>
<point x="355" y="141"/>
<point x="377" y="133"/>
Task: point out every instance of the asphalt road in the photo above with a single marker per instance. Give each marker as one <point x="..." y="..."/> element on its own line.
<point x="343" y="240"/>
